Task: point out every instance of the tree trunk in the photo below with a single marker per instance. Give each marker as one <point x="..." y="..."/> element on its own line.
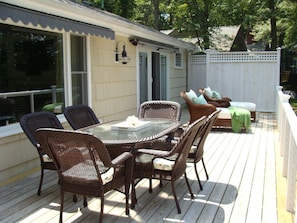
<point x="273" y="31"/>
<point x="156" y="14"/>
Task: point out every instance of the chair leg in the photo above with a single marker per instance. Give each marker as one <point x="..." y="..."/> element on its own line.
<point x="40" y="181"/>
<point x="85" y="202"/>
<point x="133" y="195"/>
<point x="204" y="168"/>
<point x="150" y="185"/>
<point x="161" y="183"/>
<point x="189" y="187"/>
<point x="74" y="198"/>
<point x="61" y="207"/>
<point x="102" y="209"/>
<point x="175" y="197"/>
<point x="127" y="189"/>
<point x="196" y="172"/>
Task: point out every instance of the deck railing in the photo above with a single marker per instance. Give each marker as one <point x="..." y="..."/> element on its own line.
<point x="287" y="128"/>
<point x="53" y="90"/>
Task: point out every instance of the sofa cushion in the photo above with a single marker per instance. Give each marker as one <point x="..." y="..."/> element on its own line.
<point x="247" y="105"/>
<point x="224" y="114"/>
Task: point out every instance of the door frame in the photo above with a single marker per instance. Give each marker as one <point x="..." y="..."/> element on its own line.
<point x="149" y="51"/>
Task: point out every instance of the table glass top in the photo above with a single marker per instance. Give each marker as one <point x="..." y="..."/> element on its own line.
<point x="154" y="128"/>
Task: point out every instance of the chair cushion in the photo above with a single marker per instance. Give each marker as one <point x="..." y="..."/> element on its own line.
<point x="193" y="149"/>
<point x="87" y="171"/>
<point x="46" y="158"/>
<point x="164" y="164"/>
<point x="191" y="94"/>
<point x="247" y="105"/>
<point x="224" y="114"/>
<point x="143" y="158"/>
<point x="199" y="100"/>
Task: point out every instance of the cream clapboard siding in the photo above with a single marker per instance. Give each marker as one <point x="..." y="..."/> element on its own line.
<point x="114" y="89"/>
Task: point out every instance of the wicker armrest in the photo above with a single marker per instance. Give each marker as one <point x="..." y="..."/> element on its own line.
<point x="154" y="152"/>
<point x="216" y="99"/>
<point x="121" y="159"/>
<point x="197" y="110"/>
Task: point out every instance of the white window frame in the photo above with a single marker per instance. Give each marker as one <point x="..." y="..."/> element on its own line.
<point x="180" y="64"/>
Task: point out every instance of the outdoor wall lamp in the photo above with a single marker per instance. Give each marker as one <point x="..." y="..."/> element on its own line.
<point x="121" y="57"/>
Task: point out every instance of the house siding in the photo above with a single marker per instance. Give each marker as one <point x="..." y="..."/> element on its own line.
<point x="113" y="96"/>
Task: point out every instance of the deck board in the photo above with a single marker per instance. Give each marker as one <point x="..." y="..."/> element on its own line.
<point x="241" y="188"/>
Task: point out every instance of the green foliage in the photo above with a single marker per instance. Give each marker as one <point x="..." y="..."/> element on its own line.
<point x="288" y="23"/>
<point x="197" y="18"/>
<point x="123" y="8"/>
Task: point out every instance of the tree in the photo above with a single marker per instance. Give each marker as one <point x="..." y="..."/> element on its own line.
<point x="272" y="21"/>
<point x="273" y="36"/>
<point x="156" y="4"/>
<point x="288" y="23"/>
<point x="124" y="8"/>
<point x="195" y="18"/>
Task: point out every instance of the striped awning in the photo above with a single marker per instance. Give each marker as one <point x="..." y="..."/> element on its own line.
<point x="28" y="16"/>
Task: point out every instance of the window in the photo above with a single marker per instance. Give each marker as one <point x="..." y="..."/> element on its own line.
<point x="79" y="70"/>
<point x="178" y="60"/>
<point x="31" y="64"/>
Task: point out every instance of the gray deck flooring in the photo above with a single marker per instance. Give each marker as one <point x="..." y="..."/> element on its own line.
<point x="241" y="188"/>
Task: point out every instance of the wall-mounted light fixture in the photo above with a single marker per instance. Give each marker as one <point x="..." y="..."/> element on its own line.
<point x="121" y="57"/>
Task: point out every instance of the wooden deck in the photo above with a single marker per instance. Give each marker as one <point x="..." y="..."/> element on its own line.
<point x="242" y="187"/>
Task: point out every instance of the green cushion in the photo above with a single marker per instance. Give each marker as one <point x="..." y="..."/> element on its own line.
<point x="199" y="100"/>
<point x="191" y="94"/>
<point x="216" y="95"/>
<point x="50" y="107"/>
<point x="208" y="92"/>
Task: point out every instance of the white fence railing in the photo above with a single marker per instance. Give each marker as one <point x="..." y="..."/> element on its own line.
<point x="287" y="128"/>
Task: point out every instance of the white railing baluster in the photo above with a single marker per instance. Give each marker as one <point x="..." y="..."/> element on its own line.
<point x="286" y="119"/>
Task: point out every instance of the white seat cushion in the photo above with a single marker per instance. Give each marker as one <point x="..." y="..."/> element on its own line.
<point x="224" y="114"/>
<point x="247" y="105"/>
<point x="163" y="164"/>
<point x="46" y="158"/>
<point x="193" y="149"/>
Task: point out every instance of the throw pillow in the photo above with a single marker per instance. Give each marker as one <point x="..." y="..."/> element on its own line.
<point x="191" y="94"/>
<point x="216" y="95"/>
<point x="199" y="100"/>
<point x="208" y="92"/>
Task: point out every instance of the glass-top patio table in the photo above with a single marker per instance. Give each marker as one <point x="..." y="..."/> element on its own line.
<point x="119" y="132"/>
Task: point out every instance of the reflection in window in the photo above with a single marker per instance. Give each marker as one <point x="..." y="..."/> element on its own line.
<point x="31" y="60"/>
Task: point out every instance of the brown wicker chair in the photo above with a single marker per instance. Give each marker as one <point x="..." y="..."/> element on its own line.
<point x="30" y="123"/>
<point x="197" y="149"/>
<point x="84" y="165"/>
<point x="166" y="165"/>
<point x="197" y="110"/>
<point x="223" y="102"/>
<point x="80" y="116"/>
<point x="160" y="109"/>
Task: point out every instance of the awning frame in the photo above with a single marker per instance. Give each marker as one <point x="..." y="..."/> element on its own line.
<point x="36" y="18"/>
